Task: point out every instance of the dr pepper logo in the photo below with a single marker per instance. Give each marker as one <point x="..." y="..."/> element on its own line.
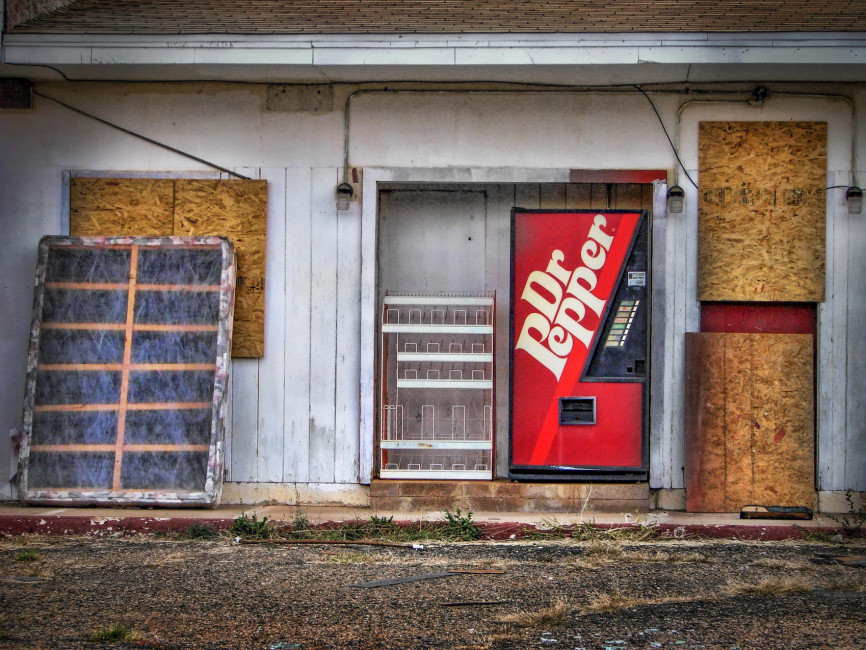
<point x="561" y="299"/>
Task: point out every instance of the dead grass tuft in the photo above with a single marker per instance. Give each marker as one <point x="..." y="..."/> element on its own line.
<point x="610" y="602"/>
<point x="773" y="563"/>
<point x="768" y="587"/>
<point x="548" y="616"/>
<point x="665" y="557"/>
<point x="599" y="553"/>
<point x="846" y="583"/>
<point x="349" y="557"/>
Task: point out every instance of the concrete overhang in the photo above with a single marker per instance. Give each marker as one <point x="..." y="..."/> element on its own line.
<point x="534" y="58"/>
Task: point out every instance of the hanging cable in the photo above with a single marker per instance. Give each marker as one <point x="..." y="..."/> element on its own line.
<point x="667" y="135"/>
<point x="141" y="137"/>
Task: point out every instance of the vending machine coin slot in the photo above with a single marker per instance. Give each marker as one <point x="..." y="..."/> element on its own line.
<point x="576" y="410"/>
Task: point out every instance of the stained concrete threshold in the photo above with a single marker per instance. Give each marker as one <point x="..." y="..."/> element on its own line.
<point x="18" y="519"/>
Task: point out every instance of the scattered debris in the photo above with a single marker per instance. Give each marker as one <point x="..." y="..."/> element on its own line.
<point x="338" y="542"/>
<point x="472" y="603"/>
<point x="775" y="512"/>
<point x="847" y="560"/>
<point x="21" y="579"/>
<point x="398" y="581"/>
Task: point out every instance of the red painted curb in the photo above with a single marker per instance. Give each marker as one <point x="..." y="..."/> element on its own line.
<point x="100" y="526"/>
<point x="11" y="525"/>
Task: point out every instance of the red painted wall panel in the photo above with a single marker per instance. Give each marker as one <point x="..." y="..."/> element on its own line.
<point x="758" y="318"/>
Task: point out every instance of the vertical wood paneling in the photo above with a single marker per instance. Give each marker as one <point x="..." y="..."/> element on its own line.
<point x="833" y="337"/>
<point x="245" y="416"/>
<point x="854" y="343"/>
<point x="551" y="196"/>
<point x="269" y="464"/>
<point x="369" y="219"/>
<point x="527" y="195"/>
<point x="323" y="325"/>
<point x="739" y="436"/>
<point x="675" y="398"/>
<point x="296" y="372"/>
<point x="705" y="422"/>
<point x="500" y="200"/>
<point x="660" y="344"/>
<point x="690" y="323"/>
<point x="348" y="371"/>
<point x="627" y="196"/>
<point x="229" y="434"/>
<point x="245" y="405"/>
<point x="599" y="196"/>
<point x="578" y="196"/>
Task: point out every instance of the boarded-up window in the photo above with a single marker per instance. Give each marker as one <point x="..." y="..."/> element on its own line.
<point x="750" y="424"/>
<point x="148" y="207"/>
<point x="762" y="206"/>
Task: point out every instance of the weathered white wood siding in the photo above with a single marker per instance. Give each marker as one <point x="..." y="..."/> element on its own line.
<point x="296" y="410"/>
<point x="841" y="448"/>
<point x="303" y="413"/>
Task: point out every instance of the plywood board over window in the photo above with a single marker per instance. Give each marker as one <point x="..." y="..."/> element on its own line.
<point x="761" y="211"/>
<point x="750" y="425"/>
<point x="149" y="207"/>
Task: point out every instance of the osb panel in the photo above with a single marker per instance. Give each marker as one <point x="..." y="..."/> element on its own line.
<point x="783" y="434"/>
<point x="129" y="207"/>
<point x="750" y="421"/>
<point x="739" y="466"/>
<point x="236" y="209"/>
<point x="705" y="423"/>
<point x="761" y="211"/>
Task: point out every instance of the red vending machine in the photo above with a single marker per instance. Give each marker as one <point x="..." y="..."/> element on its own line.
<point x="579" y="344"/>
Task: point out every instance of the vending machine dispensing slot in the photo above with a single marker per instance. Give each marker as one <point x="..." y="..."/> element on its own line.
<point x="579" y="345"/>
<point x="577" y="410"/>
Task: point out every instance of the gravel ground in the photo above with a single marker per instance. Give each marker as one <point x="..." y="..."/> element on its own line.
<point x="178" y="593"/>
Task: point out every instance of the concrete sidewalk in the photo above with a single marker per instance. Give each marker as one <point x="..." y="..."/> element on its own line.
<point x="18" y="519"/>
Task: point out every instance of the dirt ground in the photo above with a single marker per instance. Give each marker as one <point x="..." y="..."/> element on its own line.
<point x="182" y="593"/>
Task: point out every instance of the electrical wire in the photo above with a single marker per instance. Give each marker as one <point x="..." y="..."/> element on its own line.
<point x="503" y="86"/>
<point x="140" y="136"/>
<point x="667" y="135"/>
<point x="536" y="88"/>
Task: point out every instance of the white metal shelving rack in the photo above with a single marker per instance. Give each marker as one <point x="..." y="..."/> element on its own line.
<point x="437" y="376"/>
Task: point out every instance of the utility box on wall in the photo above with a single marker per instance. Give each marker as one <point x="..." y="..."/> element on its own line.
<point x="579" y="347"/>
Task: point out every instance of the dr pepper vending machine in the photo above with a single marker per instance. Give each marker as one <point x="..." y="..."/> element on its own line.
<point x="579" y="344"/>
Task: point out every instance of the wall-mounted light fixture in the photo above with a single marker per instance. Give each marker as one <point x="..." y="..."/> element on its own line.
<point x="344" y="195"/>
<point x="854" y="196"/>
<point x="676" y="199"/>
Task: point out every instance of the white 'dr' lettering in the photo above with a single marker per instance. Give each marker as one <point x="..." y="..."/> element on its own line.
<point x="548" y="335"/>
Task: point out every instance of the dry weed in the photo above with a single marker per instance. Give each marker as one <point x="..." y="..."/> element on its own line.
<point x="349" y="557"/>
<point x="610" y="602"/>
<point x="846" y="583"/>
<point x="768" y="587"/>
<point x="773" y="563"/>
<point x="547" y="616"/>
<point x="665" y="557"/>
